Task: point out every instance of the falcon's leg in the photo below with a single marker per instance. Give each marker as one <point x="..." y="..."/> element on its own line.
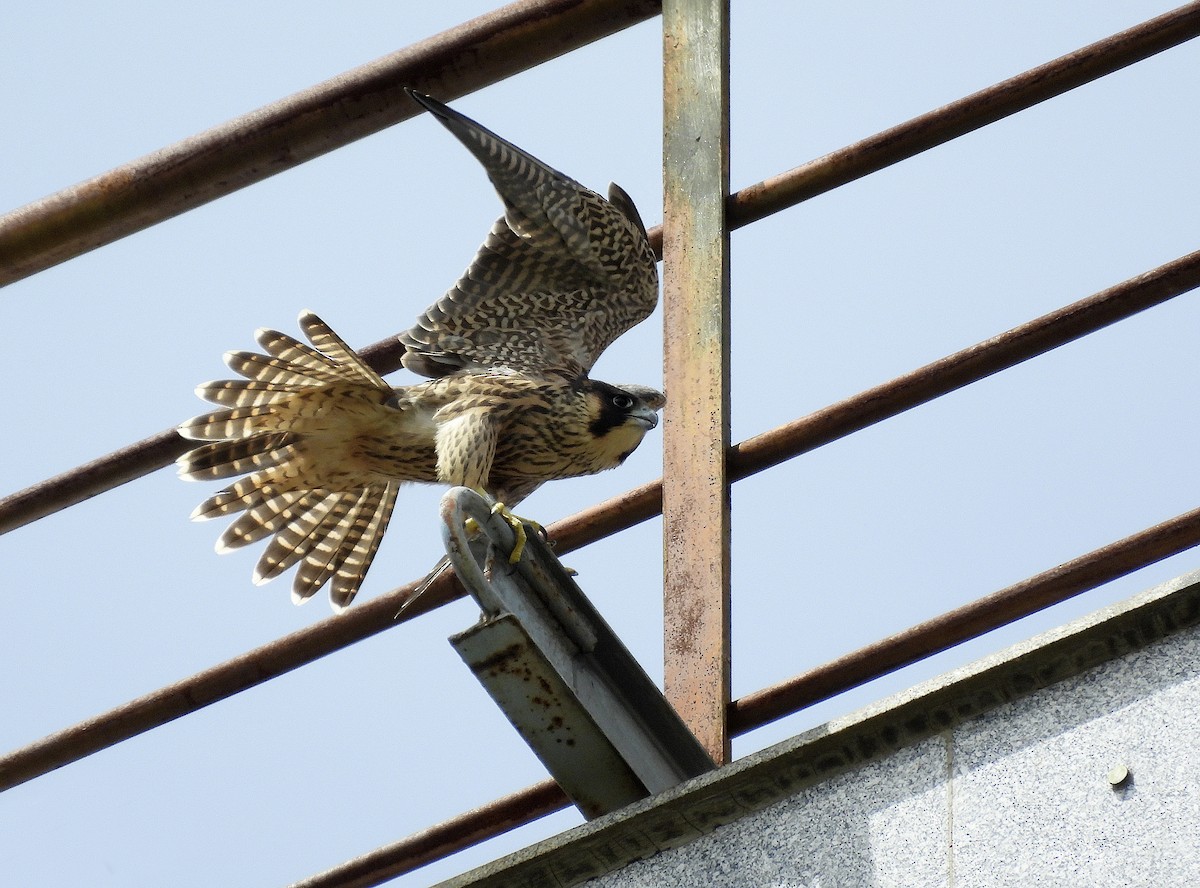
<point x="516" y="522"/>
<point x="518" y="525"/>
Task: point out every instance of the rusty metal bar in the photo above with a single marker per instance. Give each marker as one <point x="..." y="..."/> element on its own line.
<point x="966" y="115"/>
<point x="301" y="127"/>
<point x="223" y="680"/>
<point x="750" y="456"/>
<point x="969" y="621"/>
<point x="696" y="366"/>
<point x="765" y="450"/>
<point x="964" y="367"/>
<point x="443" y="839"/>
<point x="762" y="707"/>
<point x="90" y="479"/>
<point x="746" y="206"/>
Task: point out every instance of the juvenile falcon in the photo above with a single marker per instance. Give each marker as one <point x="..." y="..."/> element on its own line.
<point x="508" y="404"/>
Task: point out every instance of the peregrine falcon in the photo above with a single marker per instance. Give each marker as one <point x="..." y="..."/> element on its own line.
<point x="508" y="404"/>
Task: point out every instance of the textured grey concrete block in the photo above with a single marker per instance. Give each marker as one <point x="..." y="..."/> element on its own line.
<point x="1032" y="803"/>
<point x="884" y="825"/>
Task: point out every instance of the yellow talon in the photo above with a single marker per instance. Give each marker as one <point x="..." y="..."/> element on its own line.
<point x="515" y="522"/>
<point x="518" y="529"/>
<point x="518" y="526"/>
<point x="519" y="546"/>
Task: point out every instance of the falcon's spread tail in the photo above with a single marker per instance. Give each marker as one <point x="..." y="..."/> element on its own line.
<point x="272" y="424"/>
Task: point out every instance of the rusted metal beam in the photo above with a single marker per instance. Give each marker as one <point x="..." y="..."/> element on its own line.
<point x="308" y="124"/>
<point x="746" y="206"/>
<point x="970" y="621"/>
<point x="443" y="839"/>
<point x="90" y="479"/>
<point x="224" y="680"/>
<point x="964" y="367"/>
<point x="966" y="115"/>
<point x="696" y="366"/>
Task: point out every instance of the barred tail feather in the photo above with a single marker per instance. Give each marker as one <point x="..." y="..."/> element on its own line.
<point x="360" y="547"/>
<point x="301" y="357"/>
<point x="226" y="459"/>
<point x="331" y="552"/>
<point x="295" y="540"/>
<point x="293" y="391"/>
<point x="351" y="367"/>
<point x="346" y="550"/>
<point x="268" y="370"/>
<point x="237" y="422"/>
<point x="332" y="536"/>
<point x="266" y="517"/>
<point x="247" y="392"/>
<point x="251" y="491"/>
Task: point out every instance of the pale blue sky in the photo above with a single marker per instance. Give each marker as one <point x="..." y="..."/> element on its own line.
<point x="121" y="595"/>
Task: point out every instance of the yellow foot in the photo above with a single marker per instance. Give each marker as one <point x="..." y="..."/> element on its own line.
<point x="518" y="526"/>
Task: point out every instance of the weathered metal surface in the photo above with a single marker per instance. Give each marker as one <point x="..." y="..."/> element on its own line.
<point x="308" y="124"/>
<point x="753" y="455"/>
<point x="966" y="114"/>
<point x="223" y="680"/>
<point x="758" y="781"/>
<point x="125" y="200"/>
<point x="696" y="366"/>
<point x="559" y="673"/>
<point x="443" y="839"/>
<point x="1113" y="666"/>
<point x="542" y="708"/>
<point x="969" y="621"/>
<point x="964" y="367"/>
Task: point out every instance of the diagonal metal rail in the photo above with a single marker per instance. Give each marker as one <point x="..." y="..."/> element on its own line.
<point x="967" y="114"/>
<point x="303" y="126"/>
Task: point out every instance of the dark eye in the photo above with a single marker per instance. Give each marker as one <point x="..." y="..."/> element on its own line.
<point x="622" y="402"/>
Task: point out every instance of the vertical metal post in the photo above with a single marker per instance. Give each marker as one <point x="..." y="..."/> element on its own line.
<point x="696" y="320"/>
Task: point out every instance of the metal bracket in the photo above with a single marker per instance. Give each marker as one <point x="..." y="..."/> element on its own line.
<point x="558" y="672"/>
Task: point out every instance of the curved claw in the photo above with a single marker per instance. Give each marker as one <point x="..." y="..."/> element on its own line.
<point x="518" y="525"/>
<point x="516" y="522"/>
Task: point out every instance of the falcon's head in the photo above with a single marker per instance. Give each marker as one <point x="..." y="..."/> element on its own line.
<point x="619" y="416"/>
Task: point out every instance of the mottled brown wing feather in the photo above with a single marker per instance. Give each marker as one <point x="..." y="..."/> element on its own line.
<point x="561" y="275"/>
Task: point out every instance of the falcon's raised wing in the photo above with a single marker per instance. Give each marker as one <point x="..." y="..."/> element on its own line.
<point x="561" y="274"/>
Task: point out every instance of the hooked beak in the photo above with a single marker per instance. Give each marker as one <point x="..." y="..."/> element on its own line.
<point x="647" y="416"/>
